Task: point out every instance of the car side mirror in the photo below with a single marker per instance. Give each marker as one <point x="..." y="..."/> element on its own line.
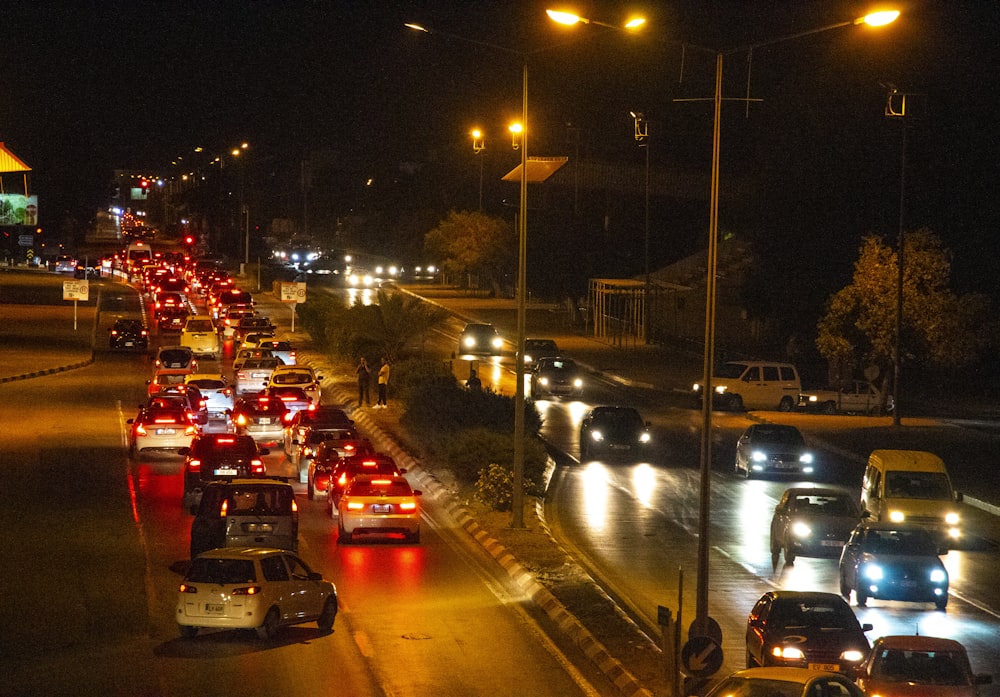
<point x="402" y="470"/>
<point x="418" y="492"/>
<point x="867" y="627"/>
<point x="129" y="421"/>
<point x="315" y="576"/>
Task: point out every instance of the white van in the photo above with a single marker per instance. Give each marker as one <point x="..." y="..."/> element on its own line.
<point x="754" y="385"/>
<point x="911" y="486"/>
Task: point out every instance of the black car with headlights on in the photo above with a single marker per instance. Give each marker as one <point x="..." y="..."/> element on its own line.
<point x="893" y="561"/>
<point x="556" y="377"/>
<point x="812" y="522"/>
<point x="613" y="431"/>
<point x="479" y="340"/>
<point x="800" y="629"/>
<point x="773" y="449"/>
<point x="128" y="334"/>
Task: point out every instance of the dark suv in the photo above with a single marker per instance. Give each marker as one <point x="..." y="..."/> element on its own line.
<point x="246" y="513"/>
<point x="214" y="456"/>
<point x="612" y="431"/>
<point x="128" y="333"/>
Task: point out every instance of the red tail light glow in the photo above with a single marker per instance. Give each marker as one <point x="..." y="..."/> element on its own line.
<point x="382" y="482"/>
<point x="355" y="505"/>
<point x="194" y="465"/>
<point x="224" y="511"/>
<point x="140" y="430"/>
<point x="408" y="506"/>
<point x="185" y="588"/>
<point x="257" y="467"/>
<point x="249" y="590"/>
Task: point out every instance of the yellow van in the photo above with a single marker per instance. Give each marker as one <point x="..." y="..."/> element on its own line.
<point x="911" y="486"/>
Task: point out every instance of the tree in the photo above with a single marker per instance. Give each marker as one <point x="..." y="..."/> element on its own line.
<point x="393" y="321"/>
<point x="940" y="329"/>
<point x="474" y="244"/>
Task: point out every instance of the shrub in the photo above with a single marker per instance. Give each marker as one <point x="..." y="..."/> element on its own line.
<point x="468" y="451"/>
<point x="495" y="487"/>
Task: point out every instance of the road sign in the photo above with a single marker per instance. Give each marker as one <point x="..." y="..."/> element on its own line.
<point x="701" y="657"/>
<point x="25" y="240"/>
<point x="76" y="290"/>
<point x="706" y="626"/>
<point x="300" y="292"/>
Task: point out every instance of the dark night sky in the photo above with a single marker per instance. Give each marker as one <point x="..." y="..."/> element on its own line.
<point x="93" y="86"/>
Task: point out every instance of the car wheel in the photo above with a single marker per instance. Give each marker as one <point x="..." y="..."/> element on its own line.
<point x="785" y="404"/>
<point x="845" y="590"/>
<point x="750" y="662"/>
<point x="329" y="614"/>
<point x="789" y="556"/>
<point x="829" y="408"/>
<point x="775" y="553"/>
<point x="860" y="597"/>
<point x="269" y="628"/>
<point x="414" y="537"/>
<point x="941" y="603"/>
<point x="188" y="632"/>
<point x="343" y="537"/>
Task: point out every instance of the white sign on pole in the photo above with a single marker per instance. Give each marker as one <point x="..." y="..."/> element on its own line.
<point x="76" y="290"/>
<point x="300" y="292"/>
<point x="289" y="292"/>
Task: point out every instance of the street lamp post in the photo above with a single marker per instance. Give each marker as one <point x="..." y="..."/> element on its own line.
<point x="642" y="138"/>
<point x="895" y="107"/>
<point x="478" y="145"/>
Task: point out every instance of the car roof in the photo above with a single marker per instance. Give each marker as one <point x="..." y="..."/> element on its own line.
<point x="807" y="596"/>
<point x="919" y="643"/>
<point x="247" y="482"/>
<point x="818" y="491"/>
<point x="784" y="673"/>
<point x="243" y="552"/>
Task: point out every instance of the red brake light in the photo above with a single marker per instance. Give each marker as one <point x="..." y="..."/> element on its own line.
<point x="342" y="480"/>
<point x="224" y="511"/>
<point x="241" y="420"/>
<point x="165" y="420"/>
<point x="295" y="506"/>
<point x="355" y="505"/>
<point x="185" y="588"/>
<point x="258" y="467"/>
<point x="287" y="418"/>
<point x="226" y="440"/>
<point x="382" y="482"/>
<point x="249" y="590"/>
<point x="311" y="407"/>
<point x="140" y="430"/>
<point x="194" y="465"/>
<point x="408" y="506"/>
<point x="369" y="463"/>
<point x="349" y="447"/>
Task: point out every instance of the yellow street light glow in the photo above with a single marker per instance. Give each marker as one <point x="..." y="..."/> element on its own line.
<point x="477" y="134"/>
<point x="879" y="19"/>
<point x="564" y="17"/>
<point x="635" y="22"/>
<point x="516" y="128"/>
<point x="417" y="27"/>
<point x="236" y="152"/>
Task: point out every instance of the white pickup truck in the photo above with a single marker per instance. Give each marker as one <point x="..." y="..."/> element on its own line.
<point x="856" y="397"/>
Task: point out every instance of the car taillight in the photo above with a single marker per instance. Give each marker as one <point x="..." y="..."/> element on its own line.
<point x="257" y="467"/>
<point x="241" y="375"/>
<point x="140" y="430"/>
<point x="227" y="392"/>
<point x="194" y="465"/>
<point x="224" y="510"/>
<point x="287" y="418"/>
<point x="144" y="332"/>
<point x="185" y="588"/>
<point x="241" y="420"/>
<point x="248" y="590"/>
<point x="369" y="463"/>
<point x="355" y="505"/>
<point x="408" y="506"/>
<point x="114" y="332"/>
<point x="191" y="430"/>
<point x="311" y="407"/>
<point x="342" y="480"/>
<point x="295" y="506"/>
<point x="349" y="447"/>
<point x="382" y="482"/>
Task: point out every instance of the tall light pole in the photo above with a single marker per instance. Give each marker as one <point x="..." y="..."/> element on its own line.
<point x="895" y="107"/>
<point x="875" y="19"/>
<point x="642" y="138"/>
<point x="478" y="145"/>
<point x="517" y="499"/>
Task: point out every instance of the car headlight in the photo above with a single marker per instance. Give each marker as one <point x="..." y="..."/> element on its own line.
<point x="696" y="387"/>
<point x="806" y="458"/>
<point x="469" y="342"/>
<point x="596" y="435"/>
<point x="720" y="389"/>
<point x="789" y="653"/>
<point x="852" y="656"/>
<point x="873" y="572"/>
<point x="800" y="529"/>
<point x="939" y="576"/>
<point x="897" y="516"/>
<point x="951" y="518"/>
<point x="758" y="456"/>
<point x="544" y="381"/>
<point x="578" y="383"/>
<point x="497" y="342"/>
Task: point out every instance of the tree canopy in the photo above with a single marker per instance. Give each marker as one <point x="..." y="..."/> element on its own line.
<point x="939" y="329"/>
<point x="471" y="243"/>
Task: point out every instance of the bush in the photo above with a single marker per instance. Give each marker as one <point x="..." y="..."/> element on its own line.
<point x="443" y="407"/>
<point x="469" y="451"/>
<point x="495" y="487"/>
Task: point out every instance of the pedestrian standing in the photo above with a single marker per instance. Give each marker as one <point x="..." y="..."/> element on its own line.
<point x="383" y="383"/>
<point x="364" y="383"/>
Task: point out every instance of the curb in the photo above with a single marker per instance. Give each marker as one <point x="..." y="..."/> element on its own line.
<point x="541" y="596"/>
<point x="49" y="371"/>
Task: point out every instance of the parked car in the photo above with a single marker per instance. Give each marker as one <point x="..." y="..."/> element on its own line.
<point x="742" y="385"/>
<point x="555" y="376"/>
<point x="213" y="456"/>
<point x="900" y="666"/>
<point x="378" y="504"/>
<point x="893" y="561"/>
<point x="253" y="588"/>
<point x="812" y="522"/>
<point x="856" y="397"/>
<point x="804" y="629"/>
<point x="773" y="449"/>
<point x="614" y="431"/>
<point x="128" y="334"/>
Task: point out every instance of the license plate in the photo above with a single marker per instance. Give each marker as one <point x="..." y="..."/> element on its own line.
<point x="908" y="584"/>
<point x="215" y="609"/>
<point x="259" y="527"/>
<point x="130" y="343"/>
<point x="832" y="543"/>
<point x="381" y="508"/>
<point x="165" y="431"/>
<point x="264" y="421"/>
<point x="620" y="447"/>
<point x="226" y="472"/>
<point x="829" y="667"/>
<point x="258" y="375"/>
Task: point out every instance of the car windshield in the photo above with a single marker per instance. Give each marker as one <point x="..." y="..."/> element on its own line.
<point x="291" y="378"/>
<point x="824" y="505"/>
<point x="226" y="445"/>
<point x="732" y="370"/>
<point x="812" y="613"/>
<point x="175" y="356"/>
<point x="783" y="435"/>
<point x="913" y="541"/>
<point x="561" y="364"/>
<point x="199" y="325"/>
<point x="260" y="500"/>
<point x="921" y="667"/>
<point x="758" y="687"/>
<point x="618" y="419"/>
<point x="917" y="485"/>
<point x="221" y="571"/>
<point x="208" y="384"/>
<point x="380" y="487"/>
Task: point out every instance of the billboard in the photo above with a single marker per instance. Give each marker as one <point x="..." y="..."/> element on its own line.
<point x="18" y="209"/>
